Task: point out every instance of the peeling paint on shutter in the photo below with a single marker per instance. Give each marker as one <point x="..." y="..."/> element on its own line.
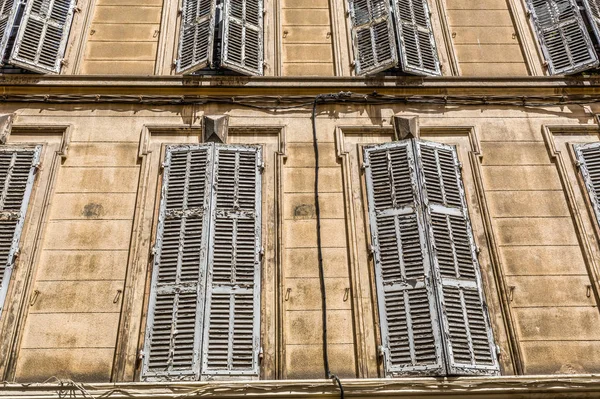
<point x="588" y="156"/>
<point x="174" y="326"/>
<point x="562" y="35"/>
<point x="17" y="173"/>
<point x="592" y="7"/>
<point x="470" y="347"/>
<point x="196" y="35"/>
<point x="416" y="42"/>
<point x="406" y="299"/>
<point x="8" y="13"/>
<point x="43" y="35"/>
<point x="243" y="36"/>
<point x="232" y="321"/>
<point x="372" y="36"/>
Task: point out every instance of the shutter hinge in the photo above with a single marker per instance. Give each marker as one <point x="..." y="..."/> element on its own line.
<point x="381" y="353"/>
<point x="141" y="355"/>
<point x="498" y="351"/>
<point x="578" y="164"/>
<point x="262" y="253"/>
<point x="261" y="355"/>
<point x="477" y="249"/>
<point x="15" y="256"/>
<point x="371" y="250"/>
<point x="261" y="167"/>
<point x="76" y="9"/>
<point x="179" y="11"/>
<point x="64" y="62"/>
<point x="460" y="166"/>
<point x="174" y="65"/>
<point x="364" y="166"/>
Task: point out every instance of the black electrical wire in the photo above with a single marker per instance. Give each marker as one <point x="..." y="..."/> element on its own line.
<point x="328" y="373"/>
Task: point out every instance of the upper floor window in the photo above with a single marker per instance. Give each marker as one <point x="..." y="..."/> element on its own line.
<point x="433" y="316"/>
<point x="221" y="33"/>
<point x="393" y="33"/>
<point x="34" y="33"/>
<point x="563" y="31"/>
<point x="204" y="308"/>
<point x="588" y="159"/>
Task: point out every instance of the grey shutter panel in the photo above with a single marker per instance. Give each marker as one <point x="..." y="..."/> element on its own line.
<point x="43" y="34"/>
<point x="8" y="13"/>
<point x="232" y="320"/>
<point x="470" y="348"/>
<point x="416" y="42"/>
<point x="372" y="36"/>
<point x="196" y="35"/>
<point x="563" y="37"/>
<point x="174" y="323"/>
<point x="17" y="173"/>
<point x="406" y="299"/>
<point x="243" y="36"/>
<point x="588" y="157"/>
<point x="592" y="7"/>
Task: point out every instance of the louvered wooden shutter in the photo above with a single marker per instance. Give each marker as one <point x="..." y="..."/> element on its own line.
<point x="232" y="321"/>
<point x="416" y="42"/>
<point x="563" y="36"/>
<point x="588" y="157"/>
<point x="372" y="36"/>
<point x="8" y="12"/>
<point x="17" y="173"/>
<point x="469" y="342"/>
<point x="406" y="301"/>
<point x="174" y="323"/>
<point x="43" y="35"/>
<point x="592" y="7"/>
<point x="243" y="36"/>
<point x="196" y="35"/>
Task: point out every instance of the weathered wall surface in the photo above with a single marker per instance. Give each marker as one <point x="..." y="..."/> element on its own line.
<point x="546" y="241"/>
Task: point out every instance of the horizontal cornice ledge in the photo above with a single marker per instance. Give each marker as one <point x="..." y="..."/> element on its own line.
<point x="575" y="386"/>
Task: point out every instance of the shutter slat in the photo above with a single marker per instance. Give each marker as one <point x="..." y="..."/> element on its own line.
<point x="563" y="36"/>
<point x="43" y="34"/>
<point x="17" y="174"/>
<point x="231" y="336"/>
<point x="372" y="36"/>
<point x="196" y="35"/>
<point x="8" y="13"/>
<point x="174" y="325"/>
<point x="242" y="47"/>
<point x="406" y="303"/>
<point x="588" y="156"/>
<point x="470" y="348"/>
<point x="416" y="42"/>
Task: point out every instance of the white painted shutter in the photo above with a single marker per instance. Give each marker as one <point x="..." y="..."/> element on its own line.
<point x="43" y="34"/>
<point x="17" y="173"/>
<point x="372" y="36"/>
<point x="8" y="13"/>
<point x="470" y="347"/>
<point x="196" y="35"/>
<point x="406" y="299"/>
<point x="416" y="43"/>
<point x="562" y="35"/>
<point x="232" y="320"/>
<point x="592" y="7"/>
<point x="588" y="157"/>
<point x="243" y="36"/>
<point x="175" y="313"/>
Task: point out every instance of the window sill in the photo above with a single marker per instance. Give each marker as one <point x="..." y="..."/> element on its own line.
<point x="567" y="386"/>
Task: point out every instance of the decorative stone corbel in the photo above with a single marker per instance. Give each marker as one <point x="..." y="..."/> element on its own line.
<point x="5" y="125"/>
<point x="215" y="128"/>
<point x="406" y="127"/>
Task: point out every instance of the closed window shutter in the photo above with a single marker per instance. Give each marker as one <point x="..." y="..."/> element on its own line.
<point x="174" y="323"/>
<point x="406" y="298"/>
<point x="43" y="35"/>
<point x="469" y="342"/>
<point x="563" y="36"/>
<point x="372" y="36"/>
<point x="232" y="320"/>
<point x="415" y="38"/>
<point x="17" y="173"/>
<point x="196" y="35"/>
<point x="243" y="36"/>
<point x="588" y="156"/>
<point x="8" y="13"/>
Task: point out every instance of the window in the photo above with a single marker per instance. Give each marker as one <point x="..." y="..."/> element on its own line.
<point x="203" y="317"/>
<point x="221" y="33"/>
<point x="18" y="167"/>
<point x="432" y="311"/>
<point x="381" y="29"/>
<point x="588" y="158"/>
<point x="33" y="33"/>
<point x="562" y="30"/>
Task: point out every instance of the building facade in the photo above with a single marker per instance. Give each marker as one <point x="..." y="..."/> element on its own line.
<point x="191" y="188"/>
